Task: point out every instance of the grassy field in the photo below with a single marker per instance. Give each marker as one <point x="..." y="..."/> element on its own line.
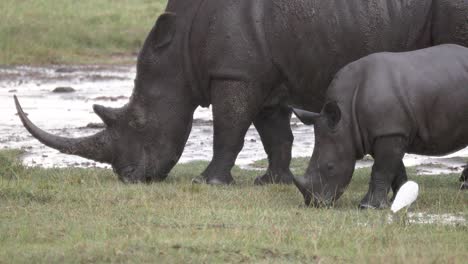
<point x="86" y="215"/>
<point x="85" y="31"/>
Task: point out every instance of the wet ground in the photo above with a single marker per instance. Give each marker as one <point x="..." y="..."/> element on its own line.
<point x="424" y="218"/>
<point x="69" y="113"/>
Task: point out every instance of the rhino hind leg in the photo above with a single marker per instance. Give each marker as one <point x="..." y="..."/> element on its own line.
<point x="386" y="172"/>
<point x="274" y="127"/>
<point x="464" y="179"/>
<point x="235" y="104"/>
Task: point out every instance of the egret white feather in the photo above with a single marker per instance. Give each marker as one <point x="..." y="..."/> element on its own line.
<point x="406" y="196"/>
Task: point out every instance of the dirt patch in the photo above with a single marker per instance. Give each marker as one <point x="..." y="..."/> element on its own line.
<point x="110" y="98"/>
<point x="202" y="122"/>
<point x="64" y="90"/>
<point x="94" y="126"/>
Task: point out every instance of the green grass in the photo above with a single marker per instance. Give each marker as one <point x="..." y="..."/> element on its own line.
<point x="85" y="31"/>
<point x="86" y="215"/>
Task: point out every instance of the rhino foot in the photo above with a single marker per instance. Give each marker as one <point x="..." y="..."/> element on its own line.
<point x="213" y="181"/>
<point x="365" y="206"/>
<point x="274" y="178"/>
<point x="374" y="203"/>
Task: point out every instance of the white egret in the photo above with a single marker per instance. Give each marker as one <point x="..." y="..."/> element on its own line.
<point x="406" y="196"/>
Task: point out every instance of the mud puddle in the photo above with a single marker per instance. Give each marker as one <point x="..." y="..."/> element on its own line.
<point x="443" y="219"/>
<point x="423" y="218"/>
<point x="70" y="114"/>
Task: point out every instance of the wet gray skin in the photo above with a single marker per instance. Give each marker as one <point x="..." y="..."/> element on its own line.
<point x="249" y="60"/>
<point x="386" y="105"/>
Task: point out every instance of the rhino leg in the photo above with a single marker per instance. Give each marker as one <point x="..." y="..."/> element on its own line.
<point x="388" y="154"/>
<point x="274" y="128"/>
<point x="235" y="104"/>
<point x="399" y="180"/>
<point x="464" y="179"/>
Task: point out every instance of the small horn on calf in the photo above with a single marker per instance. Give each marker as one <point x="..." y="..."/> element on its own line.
<point x="95" y="147"/>
<point x="306" y="117"/>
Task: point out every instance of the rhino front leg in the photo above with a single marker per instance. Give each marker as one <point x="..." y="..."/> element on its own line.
<point x="464" y="179"/>
<point x="388" y="154"/>
<point x="235" y="104"/>
<point x="274" y="127"/>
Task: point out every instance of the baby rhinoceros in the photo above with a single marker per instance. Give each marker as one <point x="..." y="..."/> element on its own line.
<point x="386" y="105"/>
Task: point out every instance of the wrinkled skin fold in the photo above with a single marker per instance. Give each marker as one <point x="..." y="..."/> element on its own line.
<point x="249" y="60"/>
<point x="386" y="105"/>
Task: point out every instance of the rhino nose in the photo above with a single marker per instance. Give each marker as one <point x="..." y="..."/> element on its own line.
<point x="305" y="188"/>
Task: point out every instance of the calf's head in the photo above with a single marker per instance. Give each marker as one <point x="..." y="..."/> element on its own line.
<point x="144" y="139"/>
<point x="332" y="163"/>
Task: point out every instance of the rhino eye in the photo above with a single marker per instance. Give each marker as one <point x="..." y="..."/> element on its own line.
<point x="330" y="166"/>
<point x="137" y="123"/>
<point x="137" y="118"/>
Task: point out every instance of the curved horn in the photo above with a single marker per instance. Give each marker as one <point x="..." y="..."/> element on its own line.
<point x="96" y="147"/>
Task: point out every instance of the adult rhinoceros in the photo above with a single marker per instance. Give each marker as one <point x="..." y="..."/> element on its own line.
<point x="248" y="59"/>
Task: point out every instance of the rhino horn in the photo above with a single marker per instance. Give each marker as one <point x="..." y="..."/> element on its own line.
<point x="306" y="117"/>
<point x="95" y="147"/>
<point x="107" y="114"/>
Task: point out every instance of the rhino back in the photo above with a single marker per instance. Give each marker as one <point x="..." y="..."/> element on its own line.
<point x="311" y="40"/>
<point x="422" y="95"/>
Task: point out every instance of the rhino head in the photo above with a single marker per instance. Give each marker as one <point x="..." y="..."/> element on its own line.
<point x="144" y="139"/>
<point x="332" y="164"/>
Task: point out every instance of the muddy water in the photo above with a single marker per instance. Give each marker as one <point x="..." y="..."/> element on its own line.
<point x="68" y="114"/>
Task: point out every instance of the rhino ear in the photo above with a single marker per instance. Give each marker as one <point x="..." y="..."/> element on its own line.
<point x="165" y="29"/>
<point x="333" y="114"/>
<point x="306" y="117"/>
<point x="108" y="115"/>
